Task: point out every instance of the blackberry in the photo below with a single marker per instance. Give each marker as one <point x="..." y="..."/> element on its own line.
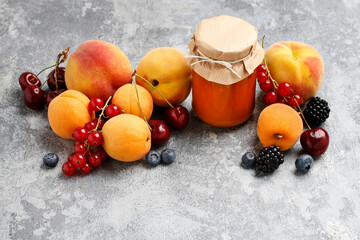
<point x="268" y="160"/>
<point x="316" y="111"/>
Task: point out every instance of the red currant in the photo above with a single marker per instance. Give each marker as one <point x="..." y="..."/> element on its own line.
<point x="266" y="86"/>
<point x="292" y="101"/>
<point x="281" y="100"/>
<point x="94" y="160"/>
<point x="101" y="123"/>
<point x="86" y="169"/>
<point x="71" y="156"/>
<point x="95" y="139"/>
<point x="112" y="110"/>
<point x="270" y="98"/>
<point x="96" y="104"/>
<point x="68" y="169"/>
<point x="90" y="126"/>
<point x="262" y="77"/>
<point x="103" y="155"/>
<point x="284" y="89"/>
<point x="80" y="148"/>
<point x="78" y="160"/>
<point x="80" y="134"/>
<point x="261" y="68"/>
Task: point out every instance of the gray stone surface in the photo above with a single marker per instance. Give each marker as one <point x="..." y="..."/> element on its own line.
<point x="204" y="194"/>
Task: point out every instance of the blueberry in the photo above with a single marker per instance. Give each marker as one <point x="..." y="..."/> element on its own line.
<point x="153" y="158"/>
<point x="248" y="160"/>
<point x="304" y="163"/>
<point x="168" y="156"/>
<point x="50" y="160"/>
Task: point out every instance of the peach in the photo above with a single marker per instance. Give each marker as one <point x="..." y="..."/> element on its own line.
<point x="68" y="111"/>
<point x="125" y="98"/>
<point x="279" y="125"/>
<point x="298" y="64"/>
<point x="126" y="138"/>
<point x="166" y="69"/>
<point x="97" y="69"/>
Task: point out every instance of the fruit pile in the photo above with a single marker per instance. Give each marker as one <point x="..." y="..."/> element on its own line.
<point x="279" y="126"/>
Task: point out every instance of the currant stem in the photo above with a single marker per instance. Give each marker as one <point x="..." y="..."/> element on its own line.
<point x="138" y="100"/>
<point x="302" y="115"/>
<point x="275" y="84"/>
<point x="137" y="75"/>
<point x="102" y="113"/>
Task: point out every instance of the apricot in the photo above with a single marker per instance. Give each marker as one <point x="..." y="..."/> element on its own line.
<point x="68" y="111"/>
<point x="167" y="70"/>
<point x="279" y="125"/>
<point x="126" y="138"/>
<point x="125" y="98"/>
<point x="298" y="64"/>
<point x="97" y="69"/>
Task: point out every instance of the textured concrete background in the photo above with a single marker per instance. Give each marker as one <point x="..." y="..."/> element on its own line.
<point x="204" y="194"/>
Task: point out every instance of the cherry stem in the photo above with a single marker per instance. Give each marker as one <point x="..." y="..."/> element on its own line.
<point x="138" y="100"/>
<point x="137" y="75"/>
<point x="45" y="82"/>
<point x="32" y="80"/>
<point x="55" y="72"/>
<point x="102" y="113"/>
<point x="302" y="115"/>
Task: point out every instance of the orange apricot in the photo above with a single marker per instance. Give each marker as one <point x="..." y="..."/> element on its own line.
<point x="126" y="138"/>
<point x="279" y="125"/>
<point x="68" y="111"/>
<point x="125" y="98"/>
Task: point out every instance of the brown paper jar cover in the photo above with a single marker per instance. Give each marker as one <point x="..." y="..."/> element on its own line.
<point x="225" y="38"/>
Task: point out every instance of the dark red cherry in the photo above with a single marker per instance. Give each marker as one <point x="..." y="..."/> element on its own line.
<point x="51" y="95"/>
<point x="25" y="80"/>
<point x="34" y="97"/>
<point x="60" y="79"/>
<point x="315" y="141"/>
<point x="160" y="133"/>
<point x="177" y="117"/>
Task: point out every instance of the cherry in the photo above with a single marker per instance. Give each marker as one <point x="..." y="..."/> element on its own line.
<point x="80" y="134"/>
<point x="315" y="141"/>
<point x="25" y="80"/>
<point x="95" y="139"/>
<point x="177" y="117"/>
<point x="101" y="152"/>
<point x="292" y="101"/>
<point x="68" y="169"/>
<point x="86" y="169"/>
<point x="78" y="160"/>
<point x="266" y="86"/>
<point x="112" y="110"/>
<point x="51" y="95"/>
<point x="34" y="97"/>
<point x="96" y="104"/>
<point x="94" y="159"/>
<point x="80" y="148"/>
<point x="284" y="89"/>
<point x="160" y="133"/>
<point x="60" y="79"/>
<point x="270" y="98"/>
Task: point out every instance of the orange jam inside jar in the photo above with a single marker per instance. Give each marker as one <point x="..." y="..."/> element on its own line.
<point x="224" y="54"/>
<point x="223" y="105"/>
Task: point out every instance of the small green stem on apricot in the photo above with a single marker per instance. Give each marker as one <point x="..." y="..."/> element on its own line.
<point x="302" y="115"/>
<point x="138" y="100"/>
<point x="102" y="113"/>
<point x="137" y="75"/>
<point x="278" y="136"/>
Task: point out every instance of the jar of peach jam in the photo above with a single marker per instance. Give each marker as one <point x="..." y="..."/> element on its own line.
<point x="223" y="54"/>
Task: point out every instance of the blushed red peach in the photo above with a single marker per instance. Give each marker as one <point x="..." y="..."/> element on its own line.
<point x="298" y="64"/>
<point x="97" y="69"/>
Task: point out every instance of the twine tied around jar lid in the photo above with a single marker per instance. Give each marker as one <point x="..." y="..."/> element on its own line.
<point x="225" y="50"/>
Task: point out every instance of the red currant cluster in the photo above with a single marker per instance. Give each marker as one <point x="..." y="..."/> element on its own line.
<point x="34" y="96"/>
<point x="88" y="152"/>
<point x="274" y="92"/>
